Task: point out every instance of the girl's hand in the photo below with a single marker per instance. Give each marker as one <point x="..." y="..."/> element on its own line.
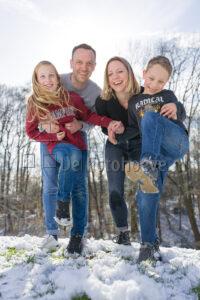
<point x="60" y="135"/>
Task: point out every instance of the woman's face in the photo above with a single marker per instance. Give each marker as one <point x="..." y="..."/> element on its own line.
<point x="46" y="77"/>
<point x="117" y="76"/>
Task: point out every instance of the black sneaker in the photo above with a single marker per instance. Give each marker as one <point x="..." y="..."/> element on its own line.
<point x="75" y="244"/>
<point x="149" y="252"/>
<point x="123" y="238"/>
<point x="63" y="213"/>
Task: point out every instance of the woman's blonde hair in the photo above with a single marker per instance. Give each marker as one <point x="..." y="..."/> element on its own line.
<point x="132" y="86"/>
<point x="41" y="98"/>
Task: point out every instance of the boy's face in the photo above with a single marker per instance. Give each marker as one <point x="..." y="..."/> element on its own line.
<point x="155" y="79"/>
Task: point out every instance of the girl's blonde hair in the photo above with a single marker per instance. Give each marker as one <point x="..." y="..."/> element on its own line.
<point x="41" y="98"/>
<point x="132" y="86"/>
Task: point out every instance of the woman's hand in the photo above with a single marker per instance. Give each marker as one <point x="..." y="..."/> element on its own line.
<point x="116" y="127"/>
<point x="169" y="110"/>
<point x="113" y="128"/>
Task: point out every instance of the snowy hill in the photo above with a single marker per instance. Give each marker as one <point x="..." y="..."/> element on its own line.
<point x="106" y="271"/>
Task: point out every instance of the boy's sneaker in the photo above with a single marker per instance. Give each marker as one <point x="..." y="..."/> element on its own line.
<point x="75" y="244"/>
<point x="149" y="252"/>
<point x="145" y="174"/>
<point x="50" y="242"/>
<point x="63" y="214"/>
<point x="123" y="238"/>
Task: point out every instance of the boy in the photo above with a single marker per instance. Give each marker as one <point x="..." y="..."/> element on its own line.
<point x="163" y="140"/>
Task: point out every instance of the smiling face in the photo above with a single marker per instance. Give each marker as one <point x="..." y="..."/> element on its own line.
<point x="82" y="64"/>
<point x="47" y="77"/>
<point x="155" y="79"/>
<point x="117" y="76"/>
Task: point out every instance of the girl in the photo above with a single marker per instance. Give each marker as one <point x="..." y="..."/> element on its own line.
<point x="50" y="102"/>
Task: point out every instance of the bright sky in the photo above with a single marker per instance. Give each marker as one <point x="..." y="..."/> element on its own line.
<point x="34" y="30"/>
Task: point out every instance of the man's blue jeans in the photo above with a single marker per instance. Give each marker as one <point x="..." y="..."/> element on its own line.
<point x="79" y="193"/>
<point x="164" y="142"/>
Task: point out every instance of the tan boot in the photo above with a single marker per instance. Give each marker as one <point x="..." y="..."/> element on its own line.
<point x="134" y="172"/>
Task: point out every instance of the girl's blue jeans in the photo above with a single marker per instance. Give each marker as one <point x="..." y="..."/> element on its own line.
<point x="64" y="176"/>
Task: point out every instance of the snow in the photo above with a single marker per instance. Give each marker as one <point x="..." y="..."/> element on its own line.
<point x="106" y="271"/>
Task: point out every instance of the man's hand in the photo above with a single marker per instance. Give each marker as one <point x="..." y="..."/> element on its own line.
<point x="50" y="127"/>
<point x="60" y="135"/>
<point x="74" y="126"/>
<point x="169" y="110"/>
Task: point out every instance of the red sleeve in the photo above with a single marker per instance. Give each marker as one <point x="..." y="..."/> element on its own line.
<point x="34" y="133"/>
<point x="86" y="115"/>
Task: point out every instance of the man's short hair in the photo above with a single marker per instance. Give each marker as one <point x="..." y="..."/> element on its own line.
<point x="83" y="46"/>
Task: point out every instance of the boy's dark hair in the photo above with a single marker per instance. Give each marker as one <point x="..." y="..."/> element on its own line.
<point x="83" y="46"/>
<point x="162" y="61"/>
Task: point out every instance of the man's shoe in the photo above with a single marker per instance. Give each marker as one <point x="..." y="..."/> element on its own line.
<point x="63" y="213"/>
<point x="149" y="252"/>
<point x="123" y="238"/>
<point x="75" y="244"/>
<point x="138" y="173"/>
<point x="49" y="243"/>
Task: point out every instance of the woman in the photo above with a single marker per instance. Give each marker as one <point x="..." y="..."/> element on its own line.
<point x="119" y="85"/>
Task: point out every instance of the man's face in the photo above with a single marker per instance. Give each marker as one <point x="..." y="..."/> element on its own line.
<point x="82" y="64"/>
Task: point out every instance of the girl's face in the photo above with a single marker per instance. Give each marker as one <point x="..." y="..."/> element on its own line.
<point x="47" y="78"/>
<point x="117" y="76"/>
<point x="155" y="79"/>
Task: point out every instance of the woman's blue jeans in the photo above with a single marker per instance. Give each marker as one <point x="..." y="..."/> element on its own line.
<point x="58" y="185"/>
<point x="164" y="142"/>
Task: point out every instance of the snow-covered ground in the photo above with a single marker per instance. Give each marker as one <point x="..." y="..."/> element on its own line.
<point x="105" y="271"/>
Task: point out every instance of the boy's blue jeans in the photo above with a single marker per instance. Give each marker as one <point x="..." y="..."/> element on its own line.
<point x="51" y="193"/>
<point x="164" y="142"/>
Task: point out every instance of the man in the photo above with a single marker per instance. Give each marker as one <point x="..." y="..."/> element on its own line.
<point x="82" y="63"/>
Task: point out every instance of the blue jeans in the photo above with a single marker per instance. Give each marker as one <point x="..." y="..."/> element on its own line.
<point x="164" y="142"/>
<point x="79" y="193"/>
<point x="116" y="156"/>
<point x="69" y="158"/>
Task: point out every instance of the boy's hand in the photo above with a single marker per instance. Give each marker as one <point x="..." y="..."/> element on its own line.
<point x="74" y="126"/>
<point x="169" y="110"/>
<point x="60" y="135"/>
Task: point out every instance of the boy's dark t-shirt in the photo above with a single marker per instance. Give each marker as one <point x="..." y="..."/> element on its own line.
<point x="140" y="103"/>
